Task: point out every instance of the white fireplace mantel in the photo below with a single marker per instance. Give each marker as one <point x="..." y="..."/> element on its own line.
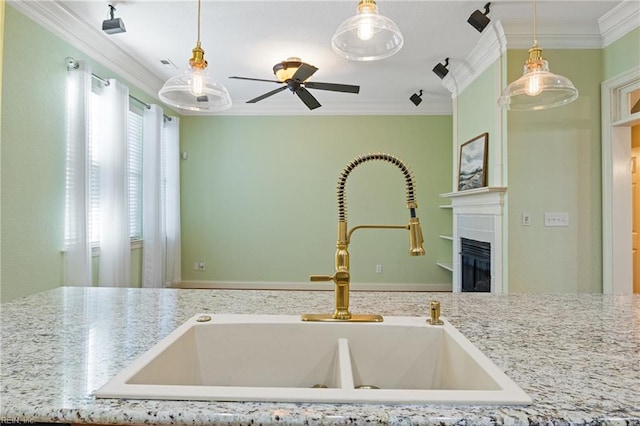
<point x="478" y="215"/>
<point x="478" y="198"/>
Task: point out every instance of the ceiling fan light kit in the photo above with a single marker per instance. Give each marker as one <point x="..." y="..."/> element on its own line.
<point x="367" y="36"/>
<point x="195" y="89"/>
<point x="286" y="69"/>
<point x="538" y="88"/>
<point x="293" y="74"/>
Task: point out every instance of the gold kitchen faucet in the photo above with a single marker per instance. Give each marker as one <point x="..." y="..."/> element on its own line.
<point x="342" y="277"/>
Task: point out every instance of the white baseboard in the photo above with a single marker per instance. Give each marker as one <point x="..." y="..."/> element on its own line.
<point x="276" y="285"/>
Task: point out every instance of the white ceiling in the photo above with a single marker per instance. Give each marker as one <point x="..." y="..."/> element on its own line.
<point x="246" y="38"/>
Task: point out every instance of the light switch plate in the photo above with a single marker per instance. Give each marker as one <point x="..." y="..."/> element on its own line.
<point x="556" y="219"/>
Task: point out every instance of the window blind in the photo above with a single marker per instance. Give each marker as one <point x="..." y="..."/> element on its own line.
<point x="135" y="173"/>
<point x="134" y="137"/>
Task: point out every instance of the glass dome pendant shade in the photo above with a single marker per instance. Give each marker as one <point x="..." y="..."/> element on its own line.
<point x="538" y="88"/>
<point x="367" y="36"/>
<point x="194" y="89"/>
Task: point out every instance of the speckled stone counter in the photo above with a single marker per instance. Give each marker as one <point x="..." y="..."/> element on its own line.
<point x="577" y="356"/>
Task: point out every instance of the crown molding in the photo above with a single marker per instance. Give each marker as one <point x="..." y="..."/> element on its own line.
<point x="295" y="107"/>
<point x="62" y="22"/>
<point x="491" y="45"/>
<point x="619" y="21"/>
<point x="557" y="35"/>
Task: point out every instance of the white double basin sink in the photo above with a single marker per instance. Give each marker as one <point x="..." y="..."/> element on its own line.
<point x="403" y="360"/>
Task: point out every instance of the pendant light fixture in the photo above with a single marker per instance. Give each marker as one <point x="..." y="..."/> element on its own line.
<point x="195" y="89"/>
<point x="367" y="36"/>
<point x="538" y="88"/>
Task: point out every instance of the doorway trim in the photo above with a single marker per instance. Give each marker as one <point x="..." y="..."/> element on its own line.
<point x="617" y="266"/>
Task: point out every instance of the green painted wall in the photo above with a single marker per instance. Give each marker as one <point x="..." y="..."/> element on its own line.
<point x="259" y="202"/>
<point x="32" y="159"/>
<point x="622" y="55"/>
<point x="477" y="114"/>
<point x="555" y="166"/>
<point x="33" y="156"/>
<point x="477" y="106"/>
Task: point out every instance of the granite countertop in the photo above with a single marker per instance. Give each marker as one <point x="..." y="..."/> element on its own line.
<point x="577" y="356"/>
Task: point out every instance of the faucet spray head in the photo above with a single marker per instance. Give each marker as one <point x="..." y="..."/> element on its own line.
<point x="415" y="237"/>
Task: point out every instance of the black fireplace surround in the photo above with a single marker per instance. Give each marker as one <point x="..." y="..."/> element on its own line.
<point x="475" y="265"/>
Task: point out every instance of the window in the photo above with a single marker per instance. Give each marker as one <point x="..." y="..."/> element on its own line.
<point x="135" y="173"/>
<point x="134" y="137"/>
<point x="106" y="130"/>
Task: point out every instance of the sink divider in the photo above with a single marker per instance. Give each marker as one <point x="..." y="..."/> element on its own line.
<point x="344" y="363"/>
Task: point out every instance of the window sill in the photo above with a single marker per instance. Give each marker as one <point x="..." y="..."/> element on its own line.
<point x="135" y="244"/>
<point x="95" y="250"/>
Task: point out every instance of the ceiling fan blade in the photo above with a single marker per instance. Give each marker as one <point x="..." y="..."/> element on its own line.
<point x="307" y="98"/>
<point x="346" y="88"/>
<point x="266" y="95"/>
<point x="255" y="79"/>
<point x="304" y="72"/>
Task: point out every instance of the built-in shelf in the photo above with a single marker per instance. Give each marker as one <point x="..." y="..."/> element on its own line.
<point x="446" y="265"/>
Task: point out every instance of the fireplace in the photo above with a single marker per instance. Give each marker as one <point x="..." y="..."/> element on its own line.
<point x="475" y="265"/>
<point x="478" y="216"/>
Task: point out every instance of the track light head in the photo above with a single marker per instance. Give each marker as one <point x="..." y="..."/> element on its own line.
<point x="441" y="69"/>
<point x="416" y="98"/>
<point x="113" y="25"/>
<point x="479" y="20"/>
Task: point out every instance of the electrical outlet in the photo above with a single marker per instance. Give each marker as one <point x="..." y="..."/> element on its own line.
<point x="378" y="269"/>
<point x="199" y="266"/>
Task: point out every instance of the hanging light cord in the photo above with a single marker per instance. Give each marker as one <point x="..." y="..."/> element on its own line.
<point x="198" y="21"/>
<point x="535" y="32"/>
<point x="197" y="61"/>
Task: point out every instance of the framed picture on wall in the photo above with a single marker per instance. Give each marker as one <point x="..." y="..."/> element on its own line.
<point x="472" y="169"/>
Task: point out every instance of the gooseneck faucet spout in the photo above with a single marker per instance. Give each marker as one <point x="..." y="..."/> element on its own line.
<point x="342" y="277"/>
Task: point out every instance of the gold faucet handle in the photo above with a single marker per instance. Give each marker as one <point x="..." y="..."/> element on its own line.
<point x="321" y="277"/>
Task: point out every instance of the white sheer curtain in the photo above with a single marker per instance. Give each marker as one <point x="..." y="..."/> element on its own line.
<point x="115" y="243"/>
<point x="77" y="257"/>
<point x="153" y="207"/>
<point x="172" y="201"/>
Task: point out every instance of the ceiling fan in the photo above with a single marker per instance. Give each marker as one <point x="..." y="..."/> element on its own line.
<point x="294" y="74"/>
